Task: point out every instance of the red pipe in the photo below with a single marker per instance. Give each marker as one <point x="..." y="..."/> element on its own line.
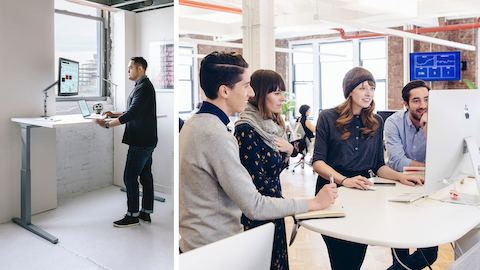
<point x="453" y="27"/>
<point x="197" y="4"/>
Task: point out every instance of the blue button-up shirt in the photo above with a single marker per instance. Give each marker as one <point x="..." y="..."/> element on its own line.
<point x="404" y="142"/>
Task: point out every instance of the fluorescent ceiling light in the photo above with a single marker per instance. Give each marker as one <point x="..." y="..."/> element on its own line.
<point x="127" y="3"/>
<point x="152" y="7"/>
<point x="399" y="33"/>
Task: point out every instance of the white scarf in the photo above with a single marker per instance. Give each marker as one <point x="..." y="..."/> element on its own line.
<point x="266" y="128"/>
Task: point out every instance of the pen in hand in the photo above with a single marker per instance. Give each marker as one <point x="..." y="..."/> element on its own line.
<point x="331" y="179"/>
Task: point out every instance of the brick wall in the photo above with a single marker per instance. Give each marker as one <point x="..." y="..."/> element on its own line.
<point x="84" y="155"/>
<point x="395" y="62"/>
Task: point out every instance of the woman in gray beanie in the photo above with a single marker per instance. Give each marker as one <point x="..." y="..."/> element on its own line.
<point x="348" y="146"/>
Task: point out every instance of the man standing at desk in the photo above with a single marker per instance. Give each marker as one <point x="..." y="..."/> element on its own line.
<point x="405" y="140"/>
<point x="141" y="135"/>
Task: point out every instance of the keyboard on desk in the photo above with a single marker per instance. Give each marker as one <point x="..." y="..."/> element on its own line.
<point x="407" y="197"/>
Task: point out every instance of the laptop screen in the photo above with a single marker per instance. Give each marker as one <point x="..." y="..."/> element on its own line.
<point x="83" y="108"/>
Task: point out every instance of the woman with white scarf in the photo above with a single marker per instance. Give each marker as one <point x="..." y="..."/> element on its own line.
<point x="265" y="151"/>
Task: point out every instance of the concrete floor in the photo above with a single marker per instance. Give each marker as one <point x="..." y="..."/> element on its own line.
<point x="87" y="239"/>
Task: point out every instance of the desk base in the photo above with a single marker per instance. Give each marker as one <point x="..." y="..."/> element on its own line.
<point x="36" y="230"/>
<point x="155" y="197"/>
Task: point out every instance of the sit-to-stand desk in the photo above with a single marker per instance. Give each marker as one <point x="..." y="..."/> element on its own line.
<point x="25" y="190"/>
<point x="371" y="219"/>
<point x="26" y="124"/>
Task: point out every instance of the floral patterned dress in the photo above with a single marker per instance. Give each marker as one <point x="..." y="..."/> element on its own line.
<point x="264" y="166"/>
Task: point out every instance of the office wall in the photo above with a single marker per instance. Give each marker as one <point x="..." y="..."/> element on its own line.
<point x="153" y="27"/>
<point x="84" y="154"/>
<point x="123" y="47"/>
<point x="27" y="52"/>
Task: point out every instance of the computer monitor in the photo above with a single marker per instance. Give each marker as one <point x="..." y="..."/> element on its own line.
<point x="249" y="250"/>
<point x="453" y="137"/>
<point x="68" y="72"/>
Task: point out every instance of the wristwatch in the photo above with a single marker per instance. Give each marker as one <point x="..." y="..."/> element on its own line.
<point x="107" y="125"/>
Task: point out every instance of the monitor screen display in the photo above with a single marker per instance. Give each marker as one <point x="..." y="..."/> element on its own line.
<point x="435" y="66"/>
<point x="67" y="77"/>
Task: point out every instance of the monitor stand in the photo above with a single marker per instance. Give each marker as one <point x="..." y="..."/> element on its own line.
<point x="470" y="155"/>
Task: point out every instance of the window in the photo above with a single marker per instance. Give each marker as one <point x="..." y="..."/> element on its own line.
<point x="326" y="69"/>
<point x="79" y="37"/>
<point x="302" y="60"/>
<point x="184" y="89"/>
<point x="335" y="60"/>
<point x="373" y="57"/>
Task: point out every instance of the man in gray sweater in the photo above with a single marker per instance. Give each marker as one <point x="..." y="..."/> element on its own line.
<point x="215" y="188"/>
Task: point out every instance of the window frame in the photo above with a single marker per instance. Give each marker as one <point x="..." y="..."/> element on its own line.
<point x="192" y="75"/>
<point x="356" y="57"/>
<point x="101" y="51"/>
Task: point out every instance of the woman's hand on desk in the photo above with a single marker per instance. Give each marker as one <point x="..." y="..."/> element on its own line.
<point x="358" y="182"/>
<point x="324" y="198"/>
<point x="410" y="180"/>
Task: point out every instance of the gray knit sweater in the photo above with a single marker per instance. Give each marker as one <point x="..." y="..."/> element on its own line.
<point x="215" y="188"/>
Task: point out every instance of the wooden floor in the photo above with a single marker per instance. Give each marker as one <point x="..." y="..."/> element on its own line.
<point x="309" y="251"/>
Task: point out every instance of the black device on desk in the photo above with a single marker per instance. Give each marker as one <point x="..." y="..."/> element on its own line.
<point x="385" y="114"/>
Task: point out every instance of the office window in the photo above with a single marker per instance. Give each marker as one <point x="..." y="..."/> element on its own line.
<point x="335" y="60"/>
<point x="373" y="57"/>
<point x="303" y="75"/>
<point x="184" y="89"/>
<point x="79" y="37"/>
<point x="325" y="70"/>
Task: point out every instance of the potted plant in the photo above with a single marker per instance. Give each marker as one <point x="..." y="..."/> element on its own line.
<point x="288" y="107"/>
<point x="469" y="84"/>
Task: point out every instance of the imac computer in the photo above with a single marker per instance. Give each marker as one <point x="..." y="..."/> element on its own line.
<point x="453" y="137"/>
<point x="68" y="77"/>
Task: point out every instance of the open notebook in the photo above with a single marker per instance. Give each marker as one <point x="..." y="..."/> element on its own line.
<point x="335" y="210"/>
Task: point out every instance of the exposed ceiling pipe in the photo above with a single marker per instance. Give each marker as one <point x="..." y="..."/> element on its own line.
<point x="444" y="28"/>
<point x="208" y="6"/>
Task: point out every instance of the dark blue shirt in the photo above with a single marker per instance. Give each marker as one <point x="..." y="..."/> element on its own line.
<point x="353" y="156"/>
<point x="208" y="107"/>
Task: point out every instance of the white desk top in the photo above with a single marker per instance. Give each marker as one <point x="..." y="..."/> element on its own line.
<point x="54" y="121"/>
<point x="372" y="219"/>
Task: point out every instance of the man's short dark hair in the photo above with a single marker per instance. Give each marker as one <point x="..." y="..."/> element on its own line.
<point x="140" y="61"/>
<point x="220" y="68"/>
<point x="412" y="85"/>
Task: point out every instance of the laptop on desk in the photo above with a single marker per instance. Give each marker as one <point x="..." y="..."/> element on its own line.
<point x="85" y="111"/>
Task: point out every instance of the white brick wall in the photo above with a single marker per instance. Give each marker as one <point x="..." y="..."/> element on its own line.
<point x="84" y="155"/>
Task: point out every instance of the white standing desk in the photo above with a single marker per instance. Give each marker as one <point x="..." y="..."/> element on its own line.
<point x="25" y="185"/>
<point x="371" y="219"/>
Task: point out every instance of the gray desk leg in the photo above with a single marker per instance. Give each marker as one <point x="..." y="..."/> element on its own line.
<point x="155" y="197"/>
<point x="25" y="220"/>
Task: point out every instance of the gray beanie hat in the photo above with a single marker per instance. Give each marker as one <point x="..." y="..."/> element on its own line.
<point x="354" y="77"/>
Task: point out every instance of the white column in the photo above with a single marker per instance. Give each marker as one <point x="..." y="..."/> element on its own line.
<point x="407" y="49"/>
<point x="258" y="34"/>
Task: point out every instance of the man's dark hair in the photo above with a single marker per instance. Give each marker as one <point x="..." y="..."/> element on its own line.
<point x="220" y="68"/>
<point x="140" y="61"/>
<point x="412" y="85"/>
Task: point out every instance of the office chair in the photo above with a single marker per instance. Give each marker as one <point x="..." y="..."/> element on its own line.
<point x="300" y="142"/>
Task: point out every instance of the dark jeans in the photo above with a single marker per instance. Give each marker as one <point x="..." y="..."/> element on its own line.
<point x="139" y="164"/>
<point x="344" y="255"/>
<point x="416" y="260"/>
